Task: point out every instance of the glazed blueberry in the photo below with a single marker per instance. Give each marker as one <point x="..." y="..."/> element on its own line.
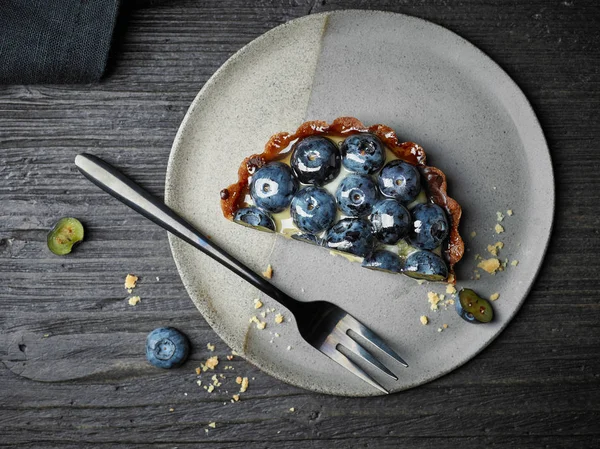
<point x="430" y="226"/>
<point x="473" y="308"/>
<point x="315" y="160"/>
<point x="382" y="260"/>
<point x="363" y="153"/>
<point x="425" y="265"/>
<point x="356" y="195"/>
<point x="391" y="221"/>
<point x="313" y="209"/>
<point x="166" y="347"/>
<point x="273" y="187"/>
<point x="351" y="235"/>
<point x="400" y="180"/>
<point x="308" y="238"/>
<point x="253" y="217"/>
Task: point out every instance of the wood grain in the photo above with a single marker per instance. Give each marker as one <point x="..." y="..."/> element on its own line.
<point x="73" y="372"/>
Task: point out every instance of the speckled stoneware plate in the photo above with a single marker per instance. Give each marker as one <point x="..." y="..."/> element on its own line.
<point x="433" y="88"/>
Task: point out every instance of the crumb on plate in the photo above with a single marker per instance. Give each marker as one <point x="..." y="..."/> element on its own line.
<point x="257" y="303"/>
<point x="499" y="228"/>
<point x="268" y="273"/>
<point x="450" y="289"/>
<point x="424" y="320"/>
<point x="433" y="299"/>
<point x="493" y="249"/>
<point x="494" y="296"/>
<point x="279" y="318"/>
<point x="490" y="265"/>
<point x="514" y="263"/>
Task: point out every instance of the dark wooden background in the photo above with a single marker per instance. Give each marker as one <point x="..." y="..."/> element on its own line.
<point x="73" y="372"/>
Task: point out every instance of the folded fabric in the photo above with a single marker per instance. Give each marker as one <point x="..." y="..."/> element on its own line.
<point x="55" y="41"/>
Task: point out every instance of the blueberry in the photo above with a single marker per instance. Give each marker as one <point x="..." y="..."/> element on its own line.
<point x="382" y="260"/>
<point x="273" y="187"/>
<point x="308" y="238"/>
<point x="313" y="209"/>
<point x="315" y="160"/>
<point x="255" y="218"/>
<point x="166" y="347"/>
<point x="351" y="235"/>
<point x="400" y="180"/>
<point x="425" y="265"/>
<point x="356" y="195"/>
<point x="391" y="221"/>
<point x="363" y="153"/>
<point x="473" y="308"/>
<point x="430" y="226"/>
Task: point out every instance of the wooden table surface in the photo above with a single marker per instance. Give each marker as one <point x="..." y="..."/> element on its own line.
<point x="74" y="373"/>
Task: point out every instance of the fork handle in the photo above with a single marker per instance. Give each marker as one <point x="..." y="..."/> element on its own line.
<point x="112" y="181"/>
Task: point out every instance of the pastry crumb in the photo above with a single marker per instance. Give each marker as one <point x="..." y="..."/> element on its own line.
<point x="499" y="216"/>
<point x="130" y="282"/>
<point x="292" y="409"/>
<point x="514" y="263"/>
<point x="473" y="234"/>
<point x="494" y="296"/>
<point x="450" y="289"/>
<point x="210" y="347"/>
<point x="289" y="348"/>
<point x="257" y="303"/>
<point x="199" y="382"/>
<point x="509" y="212"/>
<point x="259" y="324"/>
<point x="490" y="265"/>
<point x="198" y="371"/>
<point x="210" y="388"/>
<point x="238" y="380"/>
<point x="236" y="397"/>
<point x="493" y="249"/>
<point x="230" y="357"/>
<point x="424" y="320"/>
<point x="433" y="299"/>
<point x="171" y="409"/>
<point x="499" y="228"/>
<point x="212" y="424"/>
<point x="244" y="385"/>
<point x="279" y="318"/>
<point x="268" y="273"/>
<point x="134" y="300"/>
<point x="440" y="329"/>
<point x="212" y="362"/>
<point x="445" y="326"/>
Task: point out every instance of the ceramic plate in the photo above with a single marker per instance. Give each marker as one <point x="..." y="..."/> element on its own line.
<point x="433" y="88"/>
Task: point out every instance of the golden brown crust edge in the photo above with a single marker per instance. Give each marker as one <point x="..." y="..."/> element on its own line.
<point x="437" y="187"/>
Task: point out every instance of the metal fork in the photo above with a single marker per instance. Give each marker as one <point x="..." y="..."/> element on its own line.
<point x="322" y="324"/>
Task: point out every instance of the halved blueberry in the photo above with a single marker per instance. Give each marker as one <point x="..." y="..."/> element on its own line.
<point x="273" y="187"/>
<point x="400" y="180"/>
<point x="363" y="153"/>
<point x="313" y="209"/>
<point x="430" y="226"/>
<point x="356" y="195"/>
<point x="315" y="160"/>
<point x="382" y="260"/>
<point x="166" y="347"/>
<point x="473" y="308"/>
<point x="351" y="235"/>
<point x="255" y="218"/>
<point x="425" y="265"/>
<point x="391" y="221"/>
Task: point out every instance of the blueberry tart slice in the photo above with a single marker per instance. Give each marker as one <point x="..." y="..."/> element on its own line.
<point x="354" y="189"/>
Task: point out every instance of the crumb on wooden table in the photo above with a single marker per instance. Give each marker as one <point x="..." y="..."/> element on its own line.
<point x="473" y="234"/>
<point x="134" y="300"/>
<point x="210" y="347"/>
<point x="489" y="265"/>
<point x="244" y="385"/>
<point x="212" y="424"/>
<point x="292" y="409"/>
<point x="130" y="282"/>
<point x="211" y="362"/>
<point x="238" y="380"/>
<point x="268" y="273"/>
<point x="236" y="397"/>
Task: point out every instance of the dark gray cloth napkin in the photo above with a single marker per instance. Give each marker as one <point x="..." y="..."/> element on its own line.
<point x="55" y="41"/>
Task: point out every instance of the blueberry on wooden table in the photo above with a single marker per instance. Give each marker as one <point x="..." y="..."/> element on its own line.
<point x="425" y="265"/>
<point x="391" y="221"/>
<point x="315" y="160"/>
<point x="356" y="195"/>
<point x="64" y="235"/>
<point x="473" y="308"/>
<point x="166" y="347"/>
<point x="382" y="260"/>
<point x="273" y="186"/>
<point x="363" y="153"/>
<point x="253" y="217"/>
<point x="313" y="209"/>
<point x="400" y="180"/>
<point x="351" y="235"/>
<point x="430" y="226"/>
